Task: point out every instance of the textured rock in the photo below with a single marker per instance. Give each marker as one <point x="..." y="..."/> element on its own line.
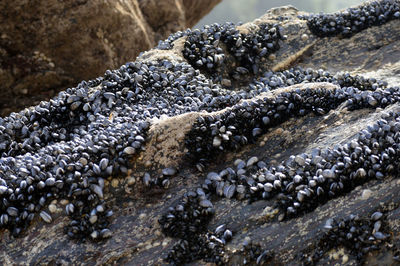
<point x="137" y="237"/>
<point x="49" y="46"/>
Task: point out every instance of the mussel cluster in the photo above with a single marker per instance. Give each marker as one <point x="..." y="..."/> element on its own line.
<point x="207" y="247"/>
<point x="167" y="44"/>
<point x="253" y="253"/>
<point x="188" y="222"/>
<point x="65" y="149"/>
<point x="189" y="217"/>
<point x="203" y="48"/>
<point x="359" y="235"/>
<point x="207" y="48"/>
<point x="353" y="20"/>
<point x="246" y="121"/>
<point x="303" y="181"/>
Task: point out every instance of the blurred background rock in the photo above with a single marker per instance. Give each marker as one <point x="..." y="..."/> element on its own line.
<point x="48" y="46"/>
<point x="248" y="10"/>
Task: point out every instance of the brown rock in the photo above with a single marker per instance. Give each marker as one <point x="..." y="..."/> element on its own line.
<point x="46" y="46"/>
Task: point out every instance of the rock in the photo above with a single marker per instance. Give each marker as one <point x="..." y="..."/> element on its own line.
<point x="326" y="154"/>
<point x="46" y="47"/>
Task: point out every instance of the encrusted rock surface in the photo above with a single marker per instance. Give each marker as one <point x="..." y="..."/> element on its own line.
<point x="52" y="45"/>
<point x="217" y="161"/>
